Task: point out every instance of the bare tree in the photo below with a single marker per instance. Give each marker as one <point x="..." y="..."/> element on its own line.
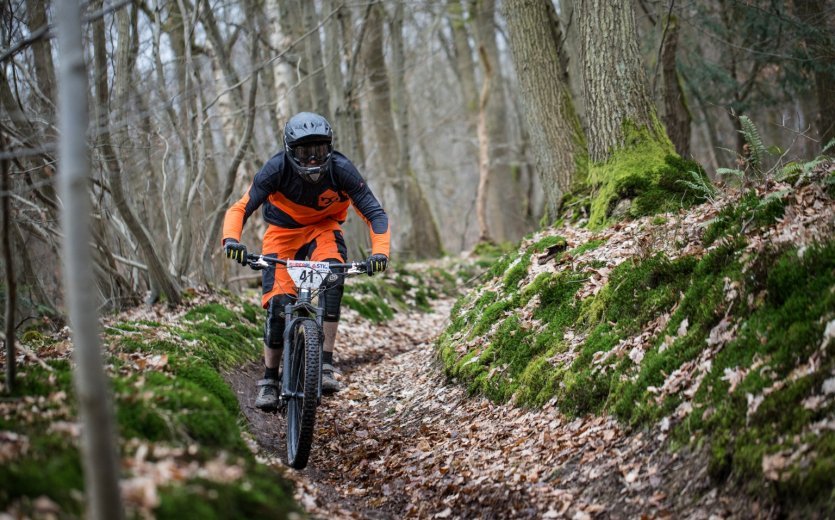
<point x="677" y="117"/>
<point x="229" y="177"/>
<point x="11" y="285"/>
<point x="820" y="45"/>
<point x="156" y="268"/>
<point x="342" y="51"/>
<point x="313" y="55"/>
<point x="464" y="63"/>
<point x="504" y="197"/>
<point x="558" y="140"/>
<point x="420" y="234"/>
<point x="100" y="456"/>
<point x="484" y="164"/>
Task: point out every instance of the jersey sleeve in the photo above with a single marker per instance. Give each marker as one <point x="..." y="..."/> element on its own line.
<point x="368" y="208"/>
<point x="256" y="194"/>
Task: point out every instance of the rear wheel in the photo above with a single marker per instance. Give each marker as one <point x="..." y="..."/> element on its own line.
<point x="304" y="386"/>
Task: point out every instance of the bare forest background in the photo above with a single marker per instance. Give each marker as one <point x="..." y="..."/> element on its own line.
<point x="188" y="99"/>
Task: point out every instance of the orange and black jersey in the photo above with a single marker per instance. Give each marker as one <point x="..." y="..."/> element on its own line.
<point x="290" y="202"/>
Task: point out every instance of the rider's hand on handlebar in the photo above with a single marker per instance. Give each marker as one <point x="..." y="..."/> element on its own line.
<point x="377" y="263"/>
<point x="235" y="250"/>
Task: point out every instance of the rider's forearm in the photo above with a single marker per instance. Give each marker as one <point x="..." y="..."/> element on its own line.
<point x="380" y="242"/>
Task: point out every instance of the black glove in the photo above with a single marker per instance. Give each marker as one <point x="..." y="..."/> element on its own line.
<point x="235" y="250"/>
<point x="377" y="263"/>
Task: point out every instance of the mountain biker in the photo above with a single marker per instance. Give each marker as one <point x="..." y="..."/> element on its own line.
<point x="306" y="190"/>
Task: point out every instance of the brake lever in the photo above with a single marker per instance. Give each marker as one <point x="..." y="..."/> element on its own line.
<point x="259" y="264"/>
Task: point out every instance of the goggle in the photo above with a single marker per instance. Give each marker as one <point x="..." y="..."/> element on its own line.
<point x="312" y="154"/>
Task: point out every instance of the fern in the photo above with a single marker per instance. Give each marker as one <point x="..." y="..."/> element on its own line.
<point x="730" y="172"/>
<point x="828" y="145"/>
<point x="806" y="169"/>
<point x="700" y="184"/>
<point x="789" y="170"/>
<point x="756" y="147"/>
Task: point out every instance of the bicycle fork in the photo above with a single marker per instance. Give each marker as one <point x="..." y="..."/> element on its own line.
<point x="290" y="309"/>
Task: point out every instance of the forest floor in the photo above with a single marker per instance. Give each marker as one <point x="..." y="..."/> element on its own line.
<point x="402" y="441"/>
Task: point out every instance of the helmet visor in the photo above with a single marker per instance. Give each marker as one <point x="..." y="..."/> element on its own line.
<point x="312" y="154"/>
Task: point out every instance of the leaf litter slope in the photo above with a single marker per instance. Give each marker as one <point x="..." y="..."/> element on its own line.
<point x="401" y="440"/>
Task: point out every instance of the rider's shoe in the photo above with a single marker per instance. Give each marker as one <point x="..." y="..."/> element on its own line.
<point x="329" y="383"/>
<point x="267" y="399"/>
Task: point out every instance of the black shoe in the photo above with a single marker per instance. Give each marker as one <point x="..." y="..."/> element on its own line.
<point x="267" y="399"/>
<point x="329" y="384"/>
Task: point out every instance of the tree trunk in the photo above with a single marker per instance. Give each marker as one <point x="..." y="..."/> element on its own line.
<point x="677" y="117"/>
<point x="558" y="141"/>
<point x="381" y="122"/>
<point x="156" y="269"/>
<point x="42" y="51"/>
<point x="100" y="454"/>
<point x="615" y="82"/>
<point x="11" y="287"/>
<point x="313" y="53"/>
<point x="421" y="239"/>
<point x="345" y="107"/>
<point x="822" y="55"/>
<point x="504" y="198"/>
<point x="291" y="18"/>
<point x="625" y="137"/>
<point x="181" y="246"/>
<point x="213" y="238"/>
<point x="464" y="63"/>
<point x="483" y="151"/>
<point x="572" y="54"/>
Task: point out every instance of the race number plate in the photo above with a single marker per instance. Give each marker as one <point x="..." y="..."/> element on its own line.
<point x="308" y="275"/>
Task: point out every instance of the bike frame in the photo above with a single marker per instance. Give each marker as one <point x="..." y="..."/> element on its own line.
<point x="292" y="317"/>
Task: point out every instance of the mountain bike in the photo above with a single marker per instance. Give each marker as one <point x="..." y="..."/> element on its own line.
<point x="301" y="379"/>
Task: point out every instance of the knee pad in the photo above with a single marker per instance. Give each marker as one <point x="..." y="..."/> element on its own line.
<point x="274" y="326"/>
<point x="335" y="287"/>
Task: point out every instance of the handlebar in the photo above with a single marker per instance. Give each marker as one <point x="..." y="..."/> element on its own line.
<point x="258" y="262"/>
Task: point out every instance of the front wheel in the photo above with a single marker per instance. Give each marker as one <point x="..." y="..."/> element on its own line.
<point x="304" y="387"/>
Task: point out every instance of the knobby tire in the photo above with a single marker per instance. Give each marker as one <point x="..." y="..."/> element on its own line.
<point x="304" y="377"/>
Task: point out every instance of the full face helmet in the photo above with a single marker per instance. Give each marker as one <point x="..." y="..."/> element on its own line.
<point x="308" y="143"/>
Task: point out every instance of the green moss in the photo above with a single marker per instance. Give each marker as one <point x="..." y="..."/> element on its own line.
<point x="376" y="310"/>
<point x="646" y="171"/>
<point x="185" y="402"/>
<point x="51" y="468"/>
<point x="183" y="409"/>
<point x="750" y="212"/>
<point x="591" y="245"/>
<point x="703" y="305"/>
<point x="34" y="337"/>
<point x="215" y="311"/>
<point x="36" y="380"/>
<point x="260" y="494"/>
<point x="504" y="365"/>
<point x="784" y="332"/>
<point x="202" y="374"/>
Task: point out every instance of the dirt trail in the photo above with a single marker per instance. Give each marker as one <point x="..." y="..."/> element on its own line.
<point x="402" y="441"/>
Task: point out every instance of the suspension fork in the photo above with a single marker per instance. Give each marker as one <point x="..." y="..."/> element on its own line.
<point x="291" y="319"/>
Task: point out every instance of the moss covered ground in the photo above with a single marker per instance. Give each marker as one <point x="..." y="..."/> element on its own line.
<point x="732" y="344"/>
<point x="172" y="406"/>
<point x="647" y="172"/>
<point x="412" y="286"/>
